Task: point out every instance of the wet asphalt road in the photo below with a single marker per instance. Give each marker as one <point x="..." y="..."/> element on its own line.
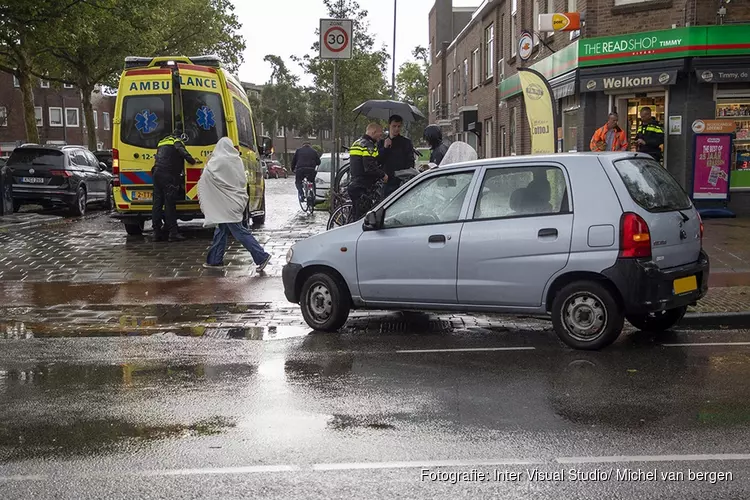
<point x="360" y="415"/>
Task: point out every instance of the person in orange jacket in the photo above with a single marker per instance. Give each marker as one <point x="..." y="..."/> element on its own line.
<point x="610" y="137"/>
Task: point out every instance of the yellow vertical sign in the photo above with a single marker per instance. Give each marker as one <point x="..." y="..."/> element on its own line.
<point x="540" y="111"/>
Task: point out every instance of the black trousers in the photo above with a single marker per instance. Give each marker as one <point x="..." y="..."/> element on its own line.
<point x="299" y="176"/>
<point x="359" y="203"/>
<point x="166" y="189"/>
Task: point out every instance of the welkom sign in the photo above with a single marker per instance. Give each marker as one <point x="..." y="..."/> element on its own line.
<point x="677" y="43"/>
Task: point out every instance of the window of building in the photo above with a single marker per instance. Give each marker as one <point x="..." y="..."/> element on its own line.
<point x="55" y="117"/>
<point x="449" y="96"/>
<point x="434" y="99"/>
<point x="39" y="115"/>
<point x="16" y="83"/>
<point x="326" y="134"/>
<point x="439" y="95"/>
<point x="488" y="138"/>
<point x="502" y="31"/>
<point x="67" y="86"/>
<point x="489" y="51"/>
<point x="550" y="7"/>
<point x="72" y="117"/>
<point x="456" y="83"/>
<point x="297" y="134"/>
<point x="105" y="119"/>
<point x="513" y="35"/>
<point x="475" y="69"/>
<point x="280" y="131"/>
<point x="313" y="134"/>
<point x="3" y="116"/>
<point x="44" y="84"/>
<point x="466" y="76"/>
<point x="519" y="192"/>
<point x="96" y="120"/>
<point x="512" y="131"/>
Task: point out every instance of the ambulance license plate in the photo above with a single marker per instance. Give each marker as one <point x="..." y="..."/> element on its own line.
<point x="685" y="285"/>
<point x="141" y="195"/>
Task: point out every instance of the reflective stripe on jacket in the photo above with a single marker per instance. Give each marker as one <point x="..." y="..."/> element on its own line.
<point x="363" y="162"/>
<point x="619" y="142"/>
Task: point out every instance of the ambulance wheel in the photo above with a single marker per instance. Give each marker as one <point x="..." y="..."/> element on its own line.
<point x="261" y="219"/>
<point x="134" y="228"/>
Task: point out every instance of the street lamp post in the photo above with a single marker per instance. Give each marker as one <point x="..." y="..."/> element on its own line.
<point x="393" y="74"/>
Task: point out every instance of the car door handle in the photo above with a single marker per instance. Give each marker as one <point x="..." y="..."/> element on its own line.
<point x="436" y="238"/>
<point x="547" y="232"/>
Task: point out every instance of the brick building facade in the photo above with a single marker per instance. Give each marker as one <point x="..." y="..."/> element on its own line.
<point x="59" y="114"/>
<point x="475" y="93"/>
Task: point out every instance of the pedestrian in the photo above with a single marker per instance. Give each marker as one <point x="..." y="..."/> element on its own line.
<point x="650" y="135"/>
<point x="364" y="169"/>
<point x="222" y="192"/>
<point x="395" y="153"/>
<point x="303" y="165"/>
<point x="169" y="165"/>
<point x="434" y="137"/>
<point x="609" y="137"/>
<point x="460" y="152"/>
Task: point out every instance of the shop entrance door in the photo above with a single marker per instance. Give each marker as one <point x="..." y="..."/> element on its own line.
<point x="629" y="108"/>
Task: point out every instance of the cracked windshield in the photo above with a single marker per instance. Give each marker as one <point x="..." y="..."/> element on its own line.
<point x="337" y="249"/>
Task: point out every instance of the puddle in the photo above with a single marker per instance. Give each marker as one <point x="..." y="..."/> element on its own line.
<point x="93" y="437"/>
<point x="349" y="422"/>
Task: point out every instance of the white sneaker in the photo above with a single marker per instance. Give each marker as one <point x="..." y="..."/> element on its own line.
<point x="263" y="264"/>
<point x="214" y="266"/>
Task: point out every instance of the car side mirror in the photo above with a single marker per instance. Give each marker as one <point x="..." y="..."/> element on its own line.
<point x="374" y="220"/>
<point x="266" y="146"/>
<point x="102" y="166"/>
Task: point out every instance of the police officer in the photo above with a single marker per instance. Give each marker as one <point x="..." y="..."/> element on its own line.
<point x="434" y="138"/>
<point x="364" y="167"/>
<point x="650" y="135"/>
<point x="167" y="172"/>
<point x="303" y="165"/>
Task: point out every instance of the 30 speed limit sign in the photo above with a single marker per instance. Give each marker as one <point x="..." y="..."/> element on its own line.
<point x="335" y="38"/>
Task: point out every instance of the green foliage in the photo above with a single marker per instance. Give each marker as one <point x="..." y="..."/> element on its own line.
<point x="412" y="87"/>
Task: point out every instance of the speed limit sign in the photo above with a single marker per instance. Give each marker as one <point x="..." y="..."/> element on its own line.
<point x="335" y="38"/>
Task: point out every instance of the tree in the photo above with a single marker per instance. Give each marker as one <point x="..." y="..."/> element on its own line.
<point x="412" y="86"/>
<point x="24" y="26"/>
<point x="91" y="50"/>
<point x="359" y="78"/>
<point x="319" y="113"/>
<point x="282" y="99"/>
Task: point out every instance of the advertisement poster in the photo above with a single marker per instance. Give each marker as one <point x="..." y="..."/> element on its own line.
<point x="540" y="111"/>
<point x="711" y="164"/>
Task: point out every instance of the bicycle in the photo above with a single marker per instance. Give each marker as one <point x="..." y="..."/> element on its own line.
<point x="344" y="214"/>
<point x="307" y="202"/>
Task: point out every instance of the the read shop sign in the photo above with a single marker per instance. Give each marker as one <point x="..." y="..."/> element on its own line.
<point x="628" y="81"/>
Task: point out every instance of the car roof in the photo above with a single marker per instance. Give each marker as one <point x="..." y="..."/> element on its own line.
<point x="554" y="157"/>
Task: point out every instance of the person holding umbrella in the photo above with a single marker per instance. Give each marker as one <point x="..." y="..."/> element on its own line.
<point x="395" y="153"/>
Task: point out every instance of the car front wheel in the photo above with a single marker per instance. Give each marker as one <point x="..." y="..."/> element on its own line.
<point x="659" y="321"/>
<point x="325" y="302"/>
<point x="587" y="316"/>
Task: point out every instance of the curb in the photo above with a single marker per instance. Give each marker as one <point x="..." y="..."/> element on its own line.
<point x="719" y="319"/>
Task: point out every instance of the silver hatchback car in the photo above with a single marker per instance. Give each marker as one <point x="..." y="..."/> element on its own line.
<point x="591" y="239"/>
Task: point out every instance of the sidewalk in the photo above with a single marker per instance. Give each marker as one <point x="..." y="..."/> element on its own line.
<point x="727" y="242"/>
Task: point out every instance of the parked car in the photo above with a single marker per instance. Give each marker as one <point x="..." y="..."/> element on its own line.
<point x="588" y="238"/>
<point x="52" y="175"/>
<point x="276" y="170"/>
<point x="323" y="177"/>
<point x="264" y="168"/>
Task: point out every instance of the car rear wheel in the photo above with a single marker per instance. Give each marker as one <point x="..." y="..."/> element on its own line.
<point x="109" y="201"/>
<point x="587" y="316"/>
<point x="134" y="228"/>
<point x="261" y="219"/>
<point x="17" y="206"/>
<point x="325" y="302"/>
<point x="659" y="321"/>
<point x="78" y="208"/>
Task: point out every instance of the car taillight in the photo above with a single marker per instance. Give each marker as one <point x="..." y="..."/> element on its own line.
<point x="700" y="219"/>
<point x="61" y="173"/>
<point x="635" y="239"/>
<point x="116" y="167"/>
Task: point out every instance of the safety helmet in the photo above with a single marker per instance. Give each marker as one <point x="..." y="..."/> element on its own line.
<point x="433" y="135"/>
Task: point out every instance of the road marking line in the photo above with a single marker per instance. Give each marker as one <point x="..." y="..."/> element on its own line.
<point x="705" y="344"/>
<point x="250" y="469"/>
<point x="653" y="458"/>
<point x="467" y="349"/>
<point x="417" y="464"/>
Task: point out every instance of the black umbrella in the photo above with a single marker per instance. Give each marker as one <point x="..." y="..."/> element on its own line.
<point x="383" y="109"/>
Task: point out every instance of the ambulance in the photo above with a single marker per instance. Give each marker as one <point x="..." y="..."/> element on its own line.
<point x="195" y="95"/>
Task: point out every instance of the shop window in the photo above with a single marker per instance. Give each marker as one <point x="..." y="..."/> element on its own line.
<point x="738" y="110"/>
<point x="39" y="115"/>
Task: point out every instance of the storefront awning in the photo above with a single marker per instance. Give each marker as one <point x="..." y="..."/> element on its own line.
<point x="722" y="69"/>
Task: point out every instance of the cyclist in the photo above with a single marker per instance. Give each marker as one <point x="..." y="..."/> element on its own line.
<point x="303" y="165"/>
<point x="438" y="147"/>
<point x="365" y="169"/>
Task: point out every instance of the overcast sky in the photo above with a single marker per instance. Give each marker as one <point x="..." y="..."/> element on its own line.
<point x="287" y="27"/>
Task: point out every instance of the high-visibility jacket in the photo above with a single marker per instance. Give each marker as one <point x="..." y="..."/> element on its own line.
<point x="171" y="155"/>
<point x="599" y="139"/>
<point x="653" y="134"/>
<point x="363" y="163"/>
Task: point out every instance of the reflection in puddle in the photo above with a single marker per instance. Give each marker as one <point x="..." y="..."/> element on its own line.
<point x="349" y="422"/>
<point x="91" y="437"/>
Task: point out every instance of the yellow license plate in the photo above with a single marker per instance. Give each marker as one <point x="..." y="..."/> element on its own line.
<point x="684" y="285"/>
<point x="141" y="195"/>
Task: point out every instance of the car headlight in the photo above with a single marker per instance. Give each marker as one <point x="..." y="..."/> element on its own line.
<point x="289" y="255"/>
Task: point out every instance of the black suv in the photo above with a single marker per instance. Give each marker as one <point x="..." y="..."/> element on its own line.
<point x="51" y="175"/>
